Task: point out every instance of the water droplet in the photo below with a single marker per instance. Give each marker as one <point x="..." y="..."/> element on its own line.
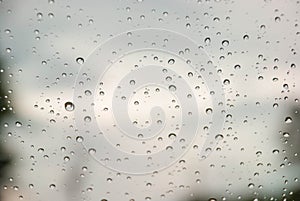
<point x="87" y="92"/>
<point x="172" y="136"/>
<point x="275" y="151"/>
<point x="168" y="78"/>
<point x="225" y="43"/>
<point x="207" y="40"/>
<point x="219" y="137"/>
<point x="66" y="158"/>
<point x="132" y="82"/>
<point x="50" y="15"/>
<point x="188" y="25"/>
<point x="39" y="15"/>
<point x="92" y="151"/>
<point x="208" y="111"/>
<point x="246" y="37"/>
<point x="288" y="120"/>
<point x="251" y="185"/>
<point x="18" y="124"/>
<point x="87" y="119"/>
<point x="80" y="60"/>
<point x="277" y="19"/>
<point x="237" y="66"/>
<point x="69" y="106"/>
<point x="286" y="134"/>
<point x="171" y="61"/>
<point x="226" y="82"/>
<point x="79" y="139"/>
<point x="52" y="186"/>
<point x="7" y="31"/>
<point x="172" y="88"/>
<point x="293" y="65"/>
<point x="286" y="86"/>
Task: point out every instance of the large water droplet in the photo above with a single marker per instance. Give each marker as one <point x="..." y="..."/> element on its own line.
<point x="18" y="124"/>
<point x="69" y="106"/>
<point x="80" y="60"/>
<point x="288" y="120"/>
<point x="225" y="43"/>
<point x="171" y="61"/>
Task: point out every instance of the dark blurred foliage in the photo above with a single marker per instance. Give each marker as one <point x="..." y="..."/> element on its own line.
<point x="4" y="158"/>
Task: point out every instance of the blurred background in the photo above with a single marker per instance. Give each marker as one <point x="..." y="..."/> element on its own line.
<point x="51" y="50"/>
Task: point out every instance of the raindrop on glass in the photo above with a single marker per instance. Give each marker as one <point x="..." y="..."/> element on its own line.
<point x="172" y="88"/>
<point x="92" y="151"/>
<point x="80" y="60"/>
<point x="225" y="43"/>
<point x="288" y="120"/>
<point x="69" y="106"/>
<point x="171" y="61"/>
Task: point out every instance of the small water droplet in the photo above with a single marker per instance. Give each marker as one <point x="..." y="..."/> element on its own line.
<point x="18" y="124"/>
<point x="172" y="88"/>
<point x="7" y="31"/>
<point x="207" y="40"/>
<point x="69" y="106"/>
<point x="275" y="151"/>
<point x="132" y="82"/>
<point x="66" y="158"/>
<point x="80" y="60"/>
<point x="79" y="139"/>
<point x="226" y="82"/>
<point x="208" y="111"/>
<point x="237" y="66"/>
<point x="92" y="151"/>
<point x="225" y="43"/>
<point x="246" y="37"/>
<point x="172" y="136"/>
<point x="286" y="134"/>
<point x="168" y="78"/>
<point x="52" y="186"/>
<point x="171" y="61"/>
<point x="277" y="19"/>
<point x="219" y="137"/>
<point x="87" y="92"/>
<point x="39" y="15"/>
<point x="87" y="119"/>
<point x="188" y="25"/>
<point x="251" y="185"/>
<point x="288" y="120"/>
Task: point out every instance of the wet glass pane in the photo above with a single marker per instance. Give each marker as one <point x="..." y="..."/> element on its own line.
<point x="132" y="100"/>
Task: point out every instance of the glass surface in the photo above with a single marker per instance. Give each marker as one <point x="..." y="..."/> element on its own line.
<point x="174" y="100"/>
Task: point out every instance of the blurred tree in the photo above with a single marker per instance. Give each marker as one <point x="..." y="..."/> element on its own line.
<point x="4" y="158"/>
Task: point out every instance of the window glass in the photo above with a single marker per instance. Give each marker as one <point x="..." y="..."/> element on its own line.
<point x="175" y="100"/>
